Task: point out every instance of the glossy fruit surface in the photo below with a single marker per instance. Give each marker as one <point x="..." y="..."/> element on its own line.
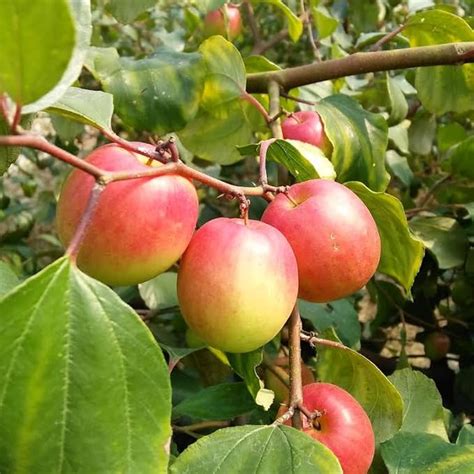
<point x="306" y="126"/>
<point x="237" y="284"/>
<point x="215" y="22"/>
<point x="140" y="226"/>
<point x="343" y="426"/>
<point x="333" y="235"/>
<point x="437" y="345"/>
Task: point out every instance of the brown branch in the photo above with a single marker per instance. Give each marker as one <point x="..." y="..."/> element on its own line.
<point x="360" y="63"/>
<point x="252" y="22"/>
<point x="314" y="340"/>
<point x="296" y="383"/>
<point x="253" y="101"/>
<point x="262" y="46"/>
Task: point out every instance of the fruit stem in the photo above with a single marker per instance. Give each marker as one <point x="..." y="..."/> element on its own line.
<point x="255" y="103"/>
<point x="296" y="383"/>
<point x="75" y="244"/>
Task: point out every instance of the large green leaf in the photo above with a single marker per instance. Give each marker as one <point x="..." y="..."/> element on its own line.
<point x="82" y="15"/>
<point x="339" y="314"/>
<point x="367" y="384"/>
<point x="416" y="453"/>
<point x="466" y="436"/>
<point x="423" y="407"/>
<point x="359" y="140"/>
<point x="295" y="25"/>
<point x="160" y="292"/>
<point x="444" y="237"/>
<point x="85" y="387"/>
<point x="219" y="402"/>
<point x="90" y="107"/>
<point x="126" y="11"/>
<point x="365" y="15"/>
<point x="401" y="252"/>
<point x="8" y="278"/>
<point x="257" y="450"/>
<point x="462" y="159"/>
<point x="442" y="89"/>
<point x="158" y="94"/>
<point x="36" y="43"/>
<point x="245" y="366"/>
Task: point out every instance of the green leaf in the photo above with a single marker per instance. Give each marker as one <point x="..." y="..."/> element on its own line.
<point x="462" y="159"/>
<point x="442" y="89"/>
<point x="398" y="103"/>
<point x="324" y="23"/>
<point x="398" y="135"/>
<point x="225" y="73"/>
<point x="8" y="278"/>
<point x="366" y="383"/>
<point x="365" y="15"/>
<point x="256" y="449"/>
<point x="219" y="402"/>
<point x="359" y="139"/>
<point x="423" y="407"/>
<point x="158" y="94"/>
<point x="449" y="134"/>
<point x="215" y="139"/>
<point x="339" y="315"/>
<point x="413" y="453"/>
<point x="36" y="44"/>
<point x="400" y="168"/>
<point x="160" y="292"/>
<point x="178" y="353"/>
<point x="421" y="133"/>
<point x="90" y="107"/>
<point x="126" y="11"/>
<point x="85" y="387"/>
<point x="444" y="237"/>
<point x="465" y="436"/>
<point x="82" y="15"/>
<point x="303" y="160"/>
<point x="295" y="25"/>
<point x="402" y="253"/>
<point x="245" y="366"/>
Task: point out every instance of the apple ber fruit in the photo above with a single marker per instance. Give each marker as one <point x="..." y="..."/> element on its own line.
<point x="333" y="235"/>
<point x="140" y="226"/>
<point x="215" y="22"/>
<point x="343" y="426"/>
<point x="237" y="283"/>
<point x="437" y="345"/>
<point x="306" y="126"/>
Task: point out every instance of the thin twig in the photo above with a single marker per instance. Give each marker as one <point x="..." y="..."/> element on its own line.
<point x="309" y="29"/>
<point x="252" y="22"/>
<point x="432" y="190"/>
<point x="313" y="340"/>
<point x="296" y="383"/>
<point x="378" y="45"/>
<point x="253" y="101"/>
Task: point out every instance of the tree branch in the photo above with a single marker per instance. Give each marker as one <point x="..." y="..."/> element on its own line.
<point x="360" y="63"/>
<point x="296" y="383"/>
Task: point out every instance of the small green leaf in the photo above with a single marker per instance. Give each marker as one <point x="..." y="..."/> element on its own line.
<point x="324" y="23"/>
<point x="444" y="237"/>
<point x="400" y="167"/>
<point x="339" y="315"/>
<point x="421" y="133"/>
<point x="245" y="366"/>
<point x="160" y="292"/>
<point x="303" y="161"/>
<point x="82" y="16"/>
<point x="8" y="278"/>
<point x="423" y="407"/>
<point x="359" y="139"/>
<point x="442" y="89"/>
<point x="36" y="44"/>
<point x="219" y="402"/>
<point x="462" y="159"/>
<point x="412" y="453"/>
<point x="126" y="11"/>
<point x="402" y="253"/>
<point x="256" y="449"/>
<point x="466" y="436"/>
<point x="366" y="383"/>
<point x="295" y="25"/>
<point x="365" y="15"/>
<point x="89" y="107"/>
<point x="449" y="134"/>
<point x="81" y="374"/>
<point x="159" y="94"/>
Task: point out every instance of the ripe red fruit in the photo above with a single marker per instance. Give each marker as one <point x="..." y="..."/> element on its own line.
<point x="140" y="226"/>
<point x="237" y="284"/>
<point x="343" y="427"/>
<point x="437" y="345"/>
<point x="333" y="235"/>
<point x="215" y="22"/>
<point x="306" y="126"/>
